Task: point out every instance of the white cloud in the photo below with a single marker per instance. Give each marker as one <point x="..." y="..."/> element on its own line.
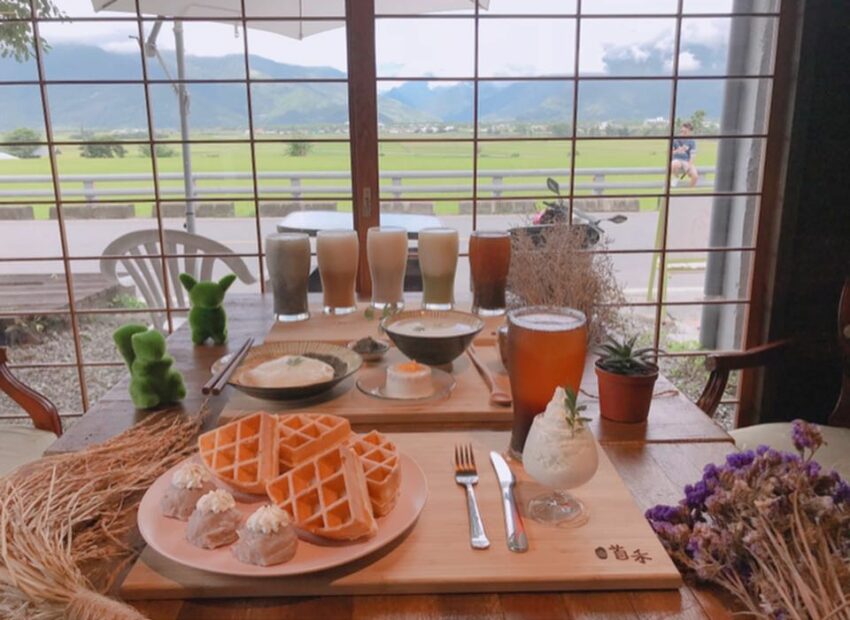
<point x="421" y="46"/>
<point x="709" y="32"/>
<point x="688" y="62"/>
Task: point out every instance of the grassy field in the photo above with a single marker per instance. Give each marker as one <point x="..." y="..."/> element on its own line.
<point x="424" y="155"/>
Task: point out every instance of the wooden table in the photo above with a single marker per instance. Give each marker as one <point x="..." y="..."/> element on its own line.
<point x="655" y="460"/>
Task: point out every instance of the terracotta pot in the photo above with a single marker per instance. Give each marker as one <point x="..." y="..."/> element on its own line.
<point x="625" y="398"/>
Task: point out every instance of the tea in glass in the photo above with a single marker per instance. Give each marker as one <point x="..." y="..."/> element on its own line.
<point x="337" y="252"/>
<point x="288" y="262"/>
<point x="386" y="249"/>
<point x="438" y="251"/>
<point x="489" y="263"/>
<point x="547" y="346"/>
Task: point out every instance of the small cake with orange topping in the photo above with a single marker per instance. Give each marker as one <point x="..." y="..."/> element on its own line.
<point x="409" y="380"/>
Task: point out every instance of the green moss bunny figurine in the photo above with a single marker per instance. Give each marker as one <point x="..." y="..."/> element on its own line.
<point x="153" y="380"/>
<point x="207" y="317"/>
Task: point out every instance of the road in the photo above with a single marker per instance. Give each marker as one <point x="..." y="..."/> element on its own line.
<point x="88" y="238"/>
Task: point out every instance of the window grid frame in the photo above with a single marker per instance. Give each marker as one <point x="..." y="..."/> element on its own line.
<point x="157" y="200"/>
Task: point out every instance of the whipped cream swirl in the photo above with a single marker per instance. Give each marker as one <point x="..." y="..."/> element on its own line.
<point x="216" y="501"/>
<point x="267" y="519"/>
<point x="190" y="476"/>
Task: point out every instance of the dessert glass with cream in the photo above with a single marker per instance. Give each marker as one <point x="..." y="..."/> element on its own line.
<point x="560" y="452"/>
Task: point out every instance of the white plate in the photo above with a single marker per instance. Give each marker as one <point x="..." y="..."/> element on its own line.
<point x="168" y="536"/>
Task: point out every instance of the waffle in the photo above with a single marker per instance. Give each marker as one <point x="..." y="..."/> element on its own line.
<point x="305" y="436"/>
<point x="382" y="468"/>
<point x="327" y="496"/>
<point x="243" y="453"/>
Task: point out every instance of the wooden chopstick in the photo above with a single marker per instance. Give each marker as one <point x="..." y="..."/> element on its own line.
<point x="217" y="382"/>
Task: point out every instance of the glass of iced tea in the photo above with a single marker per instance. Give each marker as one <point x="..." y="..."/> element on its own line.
<point x="337" y="254"/>
<point x="547" y="346"/>
<point x="386" y="249"/>
<point x="489" y="262"/>
<point x="438" y="249"/>
<point x="288" y="261"/>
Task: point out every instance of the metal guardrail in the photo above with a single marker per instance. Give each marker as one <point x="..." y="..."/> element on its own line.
<point x="93" y="186"/>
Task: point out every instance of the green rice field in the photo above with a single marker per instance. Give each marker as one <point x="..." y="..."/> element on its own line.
<point x="421" y="155"/>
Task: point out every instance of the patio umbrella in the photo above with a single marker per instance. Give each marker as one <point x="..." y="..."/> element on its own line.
<point x="230" y="11"/>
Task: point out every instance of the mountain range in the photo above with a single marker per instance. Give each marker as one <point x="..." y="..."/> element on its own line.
<point x="103" y="107"/>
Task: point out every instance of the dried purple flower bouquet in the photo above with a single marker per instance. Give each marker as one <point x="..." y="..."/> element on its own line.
<point x="770" y="527"/>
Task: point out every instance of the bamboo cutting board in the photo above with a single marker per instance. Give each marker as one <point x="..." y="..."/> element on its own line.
<point x="343" y="329"/>
<point x="469" y="401"/>
<point x="435" y="555"/>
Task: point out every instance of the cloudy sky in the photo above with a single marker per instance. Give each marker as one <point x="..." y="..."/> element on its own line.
<point x="435" y="47"/>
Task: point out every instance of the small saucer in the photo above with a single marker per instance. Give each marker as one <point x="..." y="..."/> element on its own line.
<point x="373" y="383"/>
<point x="373" y="356"/>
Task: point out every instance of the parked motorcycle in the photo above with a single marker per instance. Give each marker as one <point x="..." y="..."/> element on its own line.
<point x="558" y="212"/>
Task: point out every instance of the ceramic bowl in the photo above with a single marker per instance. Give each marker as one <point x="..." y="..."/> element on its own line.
<point x="372" y="356"/>
<point x="344" y="362"/>
<point x="432" y="337"/>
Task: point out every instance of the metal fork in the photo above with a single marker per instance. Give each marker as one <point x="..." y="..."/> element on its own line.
<point x="466" y="474"/>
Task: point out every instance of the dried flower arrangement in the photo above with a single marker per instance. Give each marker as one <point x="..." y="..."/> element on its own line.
<point x="67" y="522"/>
<point x="770" y="527"/>
<point x="561" y="272"/>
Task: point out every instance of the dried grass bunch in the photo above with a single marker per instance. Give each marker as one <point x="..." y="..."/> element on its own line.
<point x="67" y="522"/>
<point x="560" y="271"/>
<point x="770" y="527"/>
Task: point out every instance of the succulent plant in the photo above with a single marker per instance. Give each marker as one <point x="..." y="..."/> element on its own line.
<point x="623" y="358"/>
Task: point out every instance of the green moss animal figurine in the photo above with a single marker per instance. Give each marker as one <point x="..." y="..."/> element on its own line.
<point x="207" y="317"/>
<point x="153" y="380"/>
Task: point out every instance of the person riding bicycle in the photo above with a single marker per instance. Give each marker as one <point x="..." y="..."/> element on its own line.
<point x="684" y="152"/>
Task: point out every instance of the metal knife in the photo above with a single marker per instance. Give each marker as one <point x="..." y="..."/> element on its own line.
<point x="517" y="540"/>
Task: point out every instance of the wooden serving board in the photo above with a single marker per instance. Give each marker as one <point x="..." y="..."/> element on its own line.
<point x="343" y="329"/>
<point x="435" y="555"/>
<point x="672" y="416"/>
<point x="468" y="402"/>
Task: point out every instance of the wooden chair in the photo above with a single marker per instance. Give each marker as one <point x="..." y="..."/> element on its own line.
<point x="21" y="444"/>
<point x="836" y="452"/>
<point x="137" y="249"/>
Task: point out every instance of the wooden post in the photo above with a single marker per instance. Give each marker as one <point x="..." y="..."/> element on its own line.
<point x="363" y="126"/>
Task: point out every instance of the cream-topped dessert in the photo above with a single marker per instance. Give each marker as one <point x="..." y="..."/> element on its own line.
<point x="409" y="380"/>
<point x="214" y="521"/>
<point x="188" y="484"/>
<point x="557" y="453"/>
<point x="288" y="371"/>
<point x="268" y="538"/>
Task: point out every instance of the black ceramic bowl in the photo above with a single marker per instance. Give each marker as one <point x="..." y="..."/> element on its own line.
<point x="344" y="362"/>
<point x="432" y="337"/>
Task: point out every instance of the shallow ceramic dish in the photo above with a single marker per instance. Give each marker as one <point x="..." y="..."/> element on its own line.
<point x="344" y="361"/>
<point x="168" y="536"/>
<point x="373" y="383"/>
<point x="432" y="337"/>
<point x="373" y="356"/>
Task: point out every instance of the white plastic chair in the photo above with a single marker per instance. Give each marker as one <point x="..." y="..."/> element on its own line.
<point x="137" y="251"/>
